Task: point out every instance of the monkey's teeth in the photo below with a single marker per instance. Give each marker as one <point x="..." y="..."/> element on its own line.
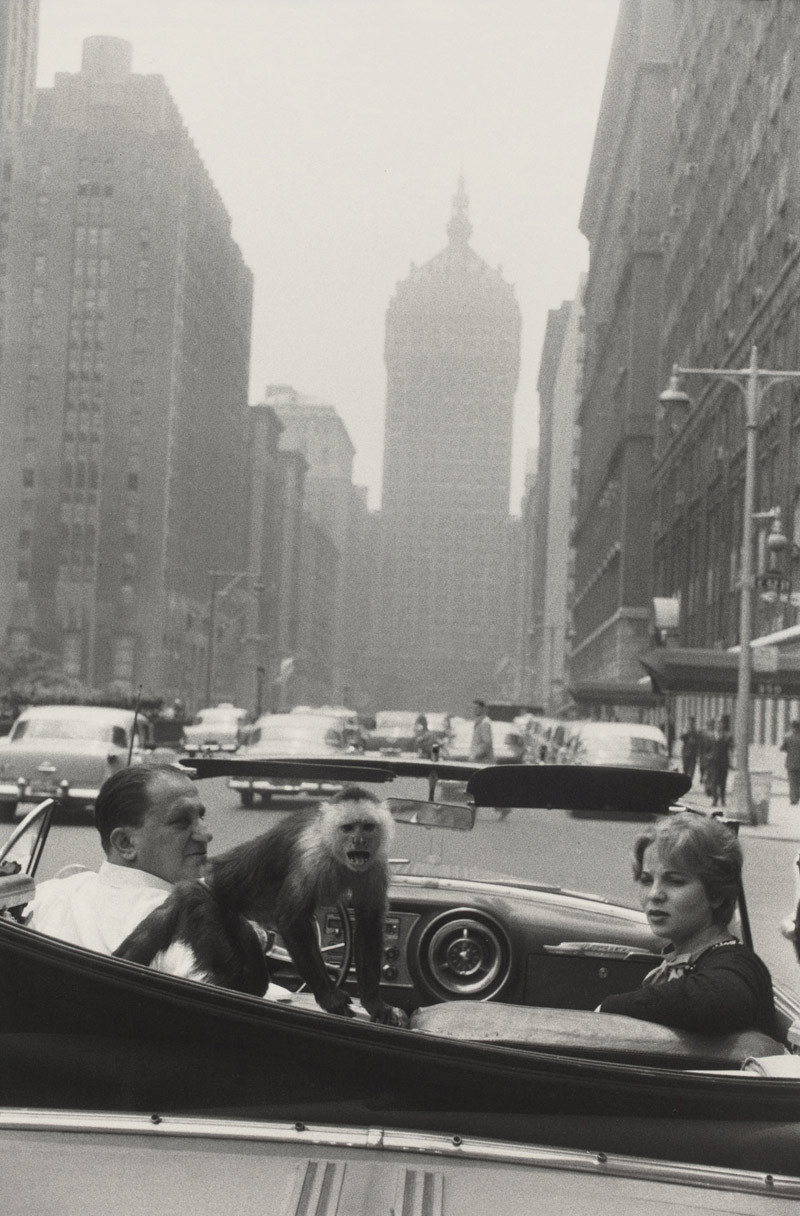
<point x="358" y="859"/>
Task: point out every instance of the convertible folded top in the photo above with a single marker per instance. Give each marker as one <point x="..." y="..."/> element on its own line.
<point x="578" y="788"/>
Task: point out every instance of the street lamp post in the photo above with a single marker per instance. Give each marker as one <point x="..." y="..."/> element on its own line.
<point x="753" y="382"/>
<point x="550" y="631"/>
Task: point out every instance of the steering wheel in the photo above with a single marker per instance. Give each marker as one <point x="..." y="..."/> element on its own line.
<point x="345" y="945"/>
<point x="340" y="968"/>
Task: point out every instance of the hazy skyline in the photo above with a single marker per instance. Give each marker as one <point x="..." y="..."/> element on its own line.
<point x="336" y="130"/>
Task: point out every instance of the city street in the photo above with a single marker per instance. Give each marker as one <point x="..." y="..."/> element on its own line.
<point x="545" y="846"/>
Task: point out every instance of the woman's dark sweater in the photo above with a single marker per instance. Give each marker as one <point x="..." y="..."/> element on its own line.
<point x="725" y="989"/>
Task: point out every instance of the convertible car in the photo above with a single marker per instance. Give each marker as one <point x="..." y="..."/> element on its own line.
<point x="504" y="1062"/>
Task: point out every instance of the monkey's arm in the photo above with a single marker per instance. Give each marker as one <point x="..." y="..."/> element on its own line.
<point x="295" y="923"/>
<point x="368" y="950"/>
<point x="152" y="934"/>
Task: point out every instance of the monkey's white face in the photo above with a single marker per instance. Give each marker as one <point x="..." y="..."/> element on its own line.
<point x="358" y="841"/>
<point x="357" y="833"/>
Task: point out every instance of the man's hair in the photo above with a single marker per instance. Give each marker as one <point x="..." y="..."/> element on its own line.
<point x="124" y="798"/>
<point x="702" y="847"/>
<point x="478" y="701"/>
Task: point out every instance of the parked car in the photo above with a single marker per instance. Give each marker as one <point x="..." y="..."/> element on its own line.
<point x="504" y="1047"/>
<point x="508" y="741"/>
<point x="68" y="751"/>
<point x="630" y="744"/>
<point x="393" y="733"/>
<point x="296" y="735"/>
<point x="224" y="726"/>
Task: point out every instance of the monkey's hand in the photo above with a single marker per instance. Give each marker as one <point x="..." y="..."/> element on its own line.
<point x="389" y="1015"/>
<point x="335" y="1000"/>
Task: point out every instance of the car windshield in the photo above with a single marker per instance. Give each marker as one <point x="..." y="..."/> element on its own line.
<point x="386" y="720"/>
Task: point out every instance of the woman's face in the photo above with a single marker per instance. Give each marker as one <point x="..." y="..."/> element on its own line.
<point x="674" y="901"/>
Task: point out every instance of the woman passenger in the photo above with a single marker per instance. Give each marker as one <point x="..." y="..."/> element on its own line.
<point x="688" y="868"/>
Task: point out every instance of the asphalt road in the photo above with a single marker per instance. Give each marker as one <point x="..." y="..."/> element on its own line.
<point x="549" y="846"/>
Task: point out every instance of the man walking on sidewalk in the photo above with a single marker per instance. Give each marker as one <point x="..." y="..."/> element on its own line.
<point x="690" y="748"/>
<point x="791" y="745"/>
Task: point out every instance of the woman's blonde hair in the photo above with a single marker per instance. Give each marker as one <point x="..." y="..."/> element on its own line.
<point x="702" y="847"/>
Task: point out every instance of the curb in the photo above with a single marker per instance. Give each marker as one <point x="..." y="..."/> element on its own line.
<point x="783" y="822"/>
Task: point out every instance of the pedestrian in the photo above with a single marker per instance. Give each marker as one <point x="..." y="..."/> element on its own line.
<point x="718" y="763"/>
<point x="690" y="748"/>
<point x="482" y="747"/>
<point x="791" y="745"/>
<point x="424" y="739"/>
<point x="704" y="749"/>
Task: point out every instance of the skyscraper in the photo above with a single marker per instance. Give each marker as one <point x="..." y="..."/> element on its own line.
<point x="19" y="33"/>
<point x="452" y="358"/>
<point x="124" y="390"/>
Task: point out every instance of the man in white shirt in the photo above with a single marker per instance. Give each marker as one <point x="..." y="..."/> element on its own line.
<point x="152" y="828"/>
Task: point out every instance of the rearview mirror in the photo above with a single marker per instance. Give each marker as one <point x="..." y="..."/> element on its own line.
<point x="450" y="815"/>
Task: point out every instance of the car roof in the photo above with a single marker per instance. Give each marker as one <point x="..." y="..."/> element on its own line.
<point x="100" y="712"/>
<point x="642" y="730"/>
<point x="294" y="719"/>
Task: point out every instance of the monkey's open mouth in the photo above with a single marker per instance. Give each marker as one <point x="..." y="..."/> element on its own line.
<point x="358" y="857"/>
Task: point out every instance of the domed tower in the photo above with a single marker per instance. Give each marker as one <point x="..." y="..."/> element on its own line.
<point x="452" y="359"/>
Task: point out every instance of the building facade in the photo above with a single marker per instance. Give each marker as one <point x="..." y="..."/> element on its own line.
<point x="624" y="213"/>
<point x="732" y="280"/>
<point x="127" y="330"/>
<point x="317" y="431"/>
<point x="452" y="359"/>
<point x="548" y="624"/>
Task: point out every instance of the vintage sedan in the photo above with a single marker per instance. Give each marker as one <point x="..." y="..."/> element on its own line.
<point x="297" y="735"/>
<point x="508" y="740"/>
<point x="67" y="751"/>
<point x="504" y="1049"/>
<point x="394" y="732"/>
<point x="630" y="744"/>
<point x="219" y="727"/>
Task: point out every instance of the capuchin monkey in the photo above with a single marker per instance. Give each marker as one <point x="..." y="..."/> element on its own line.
<point x="312" y="858"/>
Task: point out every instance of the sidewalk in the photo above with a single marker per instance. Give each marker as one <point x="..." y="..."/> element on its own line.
<point x="783" y="821"/>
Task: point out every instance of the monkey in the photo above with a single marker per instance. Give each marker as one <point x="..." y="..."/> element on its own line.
<point x="314" y="857"/>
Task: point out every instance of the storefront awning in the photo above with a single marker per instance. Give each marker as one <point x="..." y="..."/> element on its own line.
<point x="717" y="671"/>
<point x="611" y="693"/>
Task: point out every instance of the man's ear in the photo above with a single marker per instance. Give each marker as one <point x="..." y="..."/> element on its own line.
<point x="123" y="844"/>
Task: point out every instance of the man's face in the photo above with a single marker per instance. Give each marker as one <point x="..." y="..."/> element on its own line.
<point x="477" y="709"/>
<point x="172" y="839"/>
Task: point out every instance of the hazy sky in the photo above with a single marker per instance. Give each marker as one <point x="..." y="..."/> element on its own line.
<point x="335" y="131"/>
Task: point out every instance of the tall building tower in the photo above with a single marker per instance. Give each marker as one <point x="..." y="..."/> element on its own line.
<point x="19" y="44"/>
<point x="550" y="579"/>
<point x="625" y="210"/>
<point x="316" y="431"/>
<point x="127" y="329"/>
<point x="452" y="358"/>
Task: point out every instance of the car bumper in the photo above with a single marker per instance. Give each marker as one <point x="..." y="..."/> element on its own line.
<point x="36" y="791"/>
<point x="260" y="786"/>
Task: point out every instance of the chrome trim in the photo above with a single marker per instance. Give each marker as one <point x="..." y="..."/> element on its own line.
<point x="509" y="889"/>
<point x="260" y="785"/>
<point x="73" y="794"/>
<point x="454" y="1146"/>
